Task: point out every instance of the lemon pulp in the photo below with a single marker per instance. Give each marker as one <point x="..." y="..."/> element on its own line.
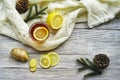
<point x="33" y="69"/>
<point x="33" y="65"/>
<point x="55" y="20"/>
<point x="54" y="57"/>
<point x="40" y="33"/>
<point x="45" y="61"/>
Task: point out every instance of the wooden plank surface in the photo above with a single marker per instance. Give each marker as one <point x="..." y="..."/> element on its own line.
<point x="83" y="42"/>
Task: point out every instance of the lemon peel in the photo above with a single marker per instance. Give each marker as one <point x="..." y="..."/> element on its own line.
<point x="55" y="20"/>
<point x="33" y="65"/>
<point x="40" y="33"/>
<point x="45" y="61"/>
<point x="54" y="58"/>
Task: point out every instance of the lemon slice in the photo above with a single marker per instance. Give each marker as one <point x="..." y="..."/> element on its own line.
<point x="45" y="61"/>
<point x="40" y="33"/>
<point x="33" y="69"/>
<point x="55" y="20"/>
<point x="33" y="63"/>
<point x="54" y="58"/>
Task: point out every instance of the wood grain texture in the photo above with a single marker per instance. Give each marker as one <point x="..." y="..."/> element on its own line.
<point x="83" y="42"/>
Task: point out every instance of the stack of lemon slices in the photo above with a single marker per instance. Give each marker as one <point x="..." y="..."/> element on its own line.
<point x="49" y="60"/>
<point x="33" y="65"/>
<point x="46" y="61"/>
<point x="54" y="21"/>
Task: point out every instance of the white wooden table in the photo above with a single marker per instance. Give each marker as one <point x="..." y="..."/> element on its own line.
<point x="83" y="42"/>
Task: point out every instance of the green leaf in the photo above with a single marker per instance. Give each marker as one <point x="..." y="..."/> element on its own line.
<point x="87" y="64"/>
<point x="93" y="67"/>
<point x="90" y="74"/>
<point x="82" y="68"/>
<point x="42" y="13"/>
<point x="36" y="8"/>
<point x="91" y="64"/>
<point x="36" y="15"/>
<point x="42" y="10"/>
<point x="30" y="12"/>
<point x="80" y="61"/>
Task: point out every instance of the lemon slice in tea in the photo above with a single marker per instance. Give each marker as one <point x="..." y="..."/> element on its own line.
<point x="54" y="58"/>
<point x="40" y="33"/>
<point x="45" y="61"/>
<point x="55" y="20"/>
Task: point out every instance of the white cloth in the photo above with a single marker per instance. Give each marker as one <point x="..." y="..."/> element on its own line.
<point x="94" y="12"/>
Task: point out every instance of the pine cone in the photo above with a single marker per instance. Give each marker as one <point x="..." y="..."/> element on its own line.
<point x="22" y="6"/>
<point x="101" y="61"/>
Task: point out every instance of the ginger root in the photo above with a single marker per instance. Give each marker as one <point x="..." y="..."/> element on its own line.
<point x="19" y="54"/>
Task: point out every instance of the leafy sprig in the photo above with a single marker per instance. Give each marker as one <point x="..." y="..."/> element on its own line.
<point x="37" y="13"/>
<point x="87" y="64"/>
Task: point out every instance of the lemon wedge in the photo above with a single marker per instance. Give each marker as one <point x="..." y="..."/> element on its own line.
<point x="55" y="20"/>
<point x="45" y="61"/>
<point x="54" y="57"/>
<point x="40" y="33"/>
